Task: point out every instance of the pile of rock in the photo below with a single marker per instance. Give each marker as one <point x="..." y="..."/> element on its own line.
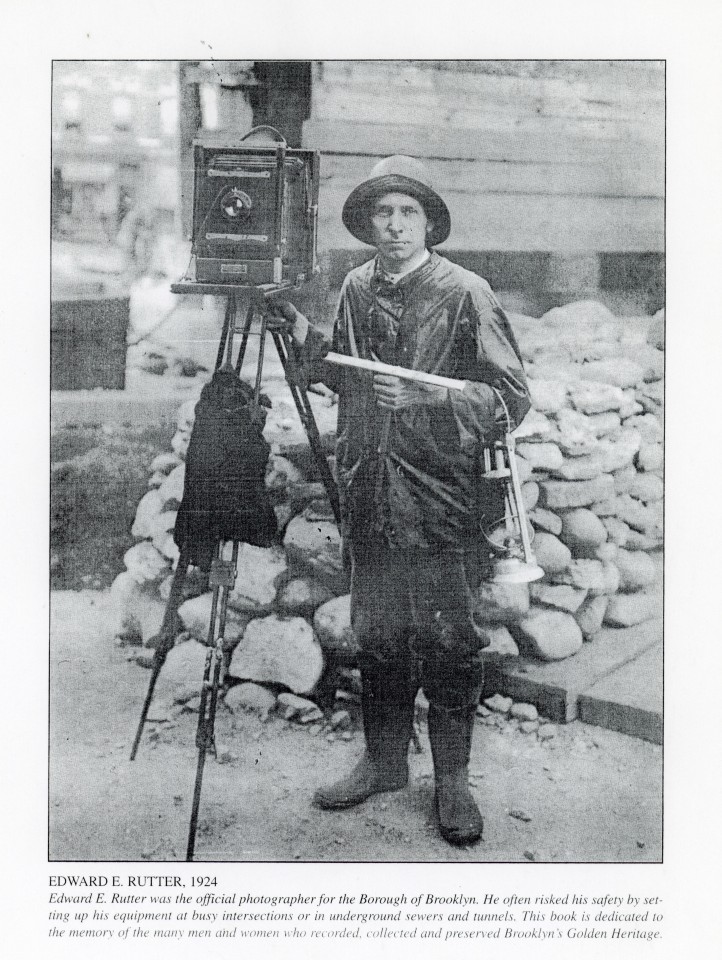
<point x="504" y="714"/>
<point x="590" y="457"/>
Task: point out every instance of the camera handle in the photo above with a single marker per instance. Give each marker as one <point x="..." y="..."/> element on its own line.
<point x="254" y="131"/>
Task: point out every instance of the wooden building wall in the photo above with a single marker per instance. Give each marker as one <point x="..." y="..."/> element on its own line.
<point x="558" y="157"/>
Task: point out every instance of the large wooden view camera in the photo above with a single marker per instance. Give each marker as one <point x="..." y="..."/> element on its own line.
<point x="255" y="212"/>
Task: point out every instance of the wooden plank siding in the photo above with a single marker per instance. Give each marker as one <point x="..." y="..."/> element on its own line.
<point x="557" y="156"/>
<point x="527" y="222"/>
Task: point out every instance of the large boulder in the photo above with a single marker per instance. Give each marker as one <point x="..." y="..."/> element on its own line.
<point x="181" y="677"/>
<point x="146" y="564"/>
<point x="652" y="361"/>
<point x="617" y="529"/>
<point x="162" y="534"/>
<point x="147" y="510"/>
<point x="590" y="396"/>
<point x="646" y="519"/>
<point x="643" y="541"/>
<point x="593" y="575"/>
<point x="551" y="554"/>
<point x="631" y="408"/>
<point x="137" y="611"/>
<point x="195" y="583"/>
<point x="534" y="426"/>
<point x="648" y="426"/>
<point x="579" y="468"/>
<point x="651" y="396"/>
<point x="628" y="609"/>
<point x="523" y="468"/>
<point x="284" y="430"/>
<point x="302" y="596"/>
<point x="180" y="443"/>
<point x="547" y="396"/>
<point x="314" y="548"/>
<point x="619" y="371"/>
<point x="546" y="520"/>
<point x="624" y="479"/>
<point x="605" y="423"/>
<point x="162" y="523"/>
<point x="560" y="596"/>
<point x="575" y="434"/>
<point x="172" y="486"/>
<point x="499" y="643"/>
<point x="530" y="494"/>
<point x="636" y="570"/>
<point x="549" y="634"/>
<point x="279" y="651"/>
<point x="619" y="452"/>
<point x="251" y="698"/>
<point x="166" y="545"/>
<point x="647" y="487"/>
<point x="582" y="531"/>
<point x="604" y="508"/>
<point x="650" y="457"/>
<point x="332" y="623"/>
<point x="196" y="617"/>
<point x="590" y="615"/>
<point x="541" y="456"/>
<point x="565" y="494"/>
<point x="606" y="552"/>
<point x="186" y="415"/>
<point x="260" y="571"/>
<point x="164" y="463"/>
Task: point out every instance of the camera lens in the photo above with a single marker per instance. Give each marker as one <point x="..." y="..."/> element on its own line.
<point x="235" y="204"/>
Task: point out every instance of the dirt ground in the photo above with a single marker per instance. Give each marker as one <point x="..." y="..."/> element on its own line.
<point x="585" y="795"/>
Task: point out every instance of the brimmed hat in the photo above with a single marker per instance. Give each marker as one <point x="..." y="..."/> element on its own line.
<point x="396" y="175"/>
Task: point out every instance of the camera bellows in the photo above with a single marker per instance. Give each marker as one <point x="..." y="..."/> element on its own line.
<point x="224" y="496"/>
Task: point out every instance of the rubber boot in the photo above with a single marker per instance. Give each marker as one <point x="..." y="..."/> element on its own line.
<point x="387" y="699"/>
<point x="450" y="733"/>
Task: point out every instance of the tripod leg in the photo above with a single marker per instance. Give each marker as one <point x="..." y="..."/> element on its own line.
<point x="246" y="334"/>
<point x="227" y="320"/>
<point x="196" y="804"/>
<point x="261" y="355"/>
<point x="305" y="413"/>
<point x="222" y="578"/>
<point x="166" y="638"/>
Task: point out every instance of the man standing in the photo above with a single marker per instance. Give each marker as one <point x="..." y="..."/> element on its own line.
<point x="408" y="474"/>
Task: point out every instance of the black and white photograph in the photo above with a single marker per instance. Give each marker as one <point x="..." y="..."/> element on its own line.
<point x="357" y="460"/>
<point x="360" y="516"/>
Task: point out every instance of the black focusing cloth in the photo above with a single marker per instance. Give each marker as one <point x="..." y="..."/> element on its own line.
<point x="224" y="496"/>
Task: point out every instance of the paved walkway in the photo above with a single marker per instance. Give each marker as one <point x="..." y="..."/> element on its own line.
<point x="616" y="682"/>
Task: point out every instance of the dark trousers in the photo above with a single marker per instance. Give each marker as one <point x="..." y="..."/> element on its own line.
<point x="412" y="610"/>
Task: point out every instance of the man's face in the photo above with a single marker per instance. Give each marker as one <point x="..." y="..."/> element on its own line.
<point x="399" y="226"/>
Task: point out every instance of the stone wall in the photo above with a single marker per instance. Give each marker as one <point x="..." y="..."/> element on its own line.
<point x="591" y="460"/>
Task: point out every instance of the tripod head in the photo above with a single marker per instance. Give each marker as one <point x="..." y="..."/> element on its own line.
<point x="281" y="314"/>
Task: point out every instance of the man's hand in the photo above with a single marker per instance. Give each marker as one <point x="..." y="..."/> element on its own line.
<point x="393" y="393"/>
<point x="299" y="328"/>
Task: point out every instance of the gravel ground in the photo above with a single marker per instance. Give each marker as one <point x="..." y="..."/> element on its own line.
<point x="585" y="795"/>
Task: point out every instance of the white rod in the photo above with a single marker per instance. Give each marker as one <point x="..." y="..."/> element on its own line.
<point x="374" y="366"/>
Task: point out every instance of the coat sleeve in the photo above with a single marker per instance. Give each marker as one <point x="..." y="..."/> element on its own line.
<point x="318" y="344"/>
<point x="490" y="362"/>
